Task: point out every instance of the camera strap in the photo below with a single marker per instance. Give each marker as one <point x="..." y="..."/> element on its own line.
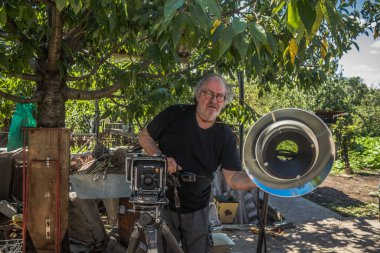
<point x="177" y="201"/>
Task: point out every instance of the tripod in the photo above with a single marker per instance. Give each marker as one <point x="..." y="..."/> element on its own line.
<point x="150" y="222"/>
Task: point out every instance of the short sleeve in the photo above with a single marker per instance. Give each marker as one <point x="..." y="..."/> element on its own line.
<point x="230" y="159"/>
<point x="157" y="127"/>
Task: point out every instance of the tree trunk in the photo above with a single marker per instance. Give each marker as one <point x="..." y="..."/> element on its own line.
<point x="51" y="110"/>
<point x="345" y="156"/>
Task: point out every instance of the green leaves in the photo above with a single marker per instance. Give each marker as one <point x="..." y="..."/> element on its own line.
<point x="162" y="41"/>
<point x="61" y="4"/>
<point x="214" y="8"/>
<point x="125" y="7"/>
<point x="234" y="35"/>
<point x="3" y="62"/>
<point x="238" y="26"/>
<point x="226" y="37"/>
<point x="199" y="17"/>
<point x="293" y="15"/>
<point x="211" y="5"/>
<point x="241" y="43"/>
<point x="304" y="15"/>
<point x="3" y="16"/>
<point x="258" y="35"/>
<point x="76" y="5"/>
<point x="106" y="2"/>
<point x="171" y="6"/>
<point x="179" y="25"/>
<point x="307" y="14"/>
<point x="278" y="7"/>
<point x="318" y="20"/>
<point x="332" y="17"/>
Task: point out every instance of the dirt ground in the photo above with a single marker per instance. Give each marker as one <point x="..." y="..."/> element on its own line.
<point x="346" y="190"/>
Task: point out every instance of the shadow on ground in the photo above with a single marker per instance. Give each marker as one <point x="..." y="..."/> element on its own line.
<point x="330" y="235"/>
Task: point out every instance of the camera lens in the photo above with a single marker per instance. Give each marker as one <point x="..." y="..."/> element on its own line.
<point x="147" y="182"/>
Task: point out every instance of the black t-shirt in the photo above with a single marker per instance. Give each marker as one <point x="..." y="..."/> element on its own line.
<point x="196" y="150"/>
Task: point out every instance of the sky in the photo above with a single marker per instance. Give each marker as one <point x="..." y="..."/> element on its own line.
<point x="364" y="63"/>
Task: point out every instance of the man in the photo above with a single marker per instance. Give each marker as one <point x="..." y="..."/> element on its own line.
<point x="194" y="140"/>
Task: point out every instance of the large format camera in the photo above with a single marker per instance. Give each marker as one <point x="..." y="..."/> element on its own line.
<point x="147" y="175"/>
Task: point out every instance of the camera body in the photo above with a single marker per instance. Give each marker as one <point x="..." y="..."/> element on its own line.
<point x="147" y="175"/>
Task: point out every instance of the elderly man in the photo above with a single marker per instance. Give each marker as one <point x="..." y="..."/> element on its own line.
<point x="195" y="141"/>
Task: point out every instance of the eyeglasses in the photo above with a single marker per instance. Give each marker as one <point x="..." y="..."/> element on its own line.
<point x="210" y="95"/>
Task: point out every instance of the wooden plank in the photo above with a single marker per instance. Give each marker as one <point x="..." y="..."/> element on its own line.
<point x="48" y="152"/>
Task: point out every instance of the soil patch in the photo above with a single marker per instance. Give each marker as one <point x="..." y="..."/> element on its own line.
<point x="346" y="190"/>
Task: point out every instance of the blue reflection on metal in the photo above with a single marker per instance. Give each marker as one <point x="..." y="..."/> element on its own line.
<point x="296" y="191"/>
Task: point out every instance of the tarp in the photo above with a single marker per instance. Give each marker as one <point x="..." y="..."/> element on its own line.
<point x="22" y="117"/>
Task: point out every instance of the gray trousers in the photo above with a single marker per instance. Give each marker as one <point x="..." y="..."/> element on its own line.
<point x="196" y="235"/>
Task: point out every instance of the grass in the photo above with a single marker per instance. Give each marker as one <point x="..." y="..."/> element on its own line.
<point x="365" y="210"/>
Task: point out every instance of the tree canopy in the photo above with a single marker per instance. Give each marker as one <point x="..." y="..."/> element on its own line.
<point x="133" y="50"/>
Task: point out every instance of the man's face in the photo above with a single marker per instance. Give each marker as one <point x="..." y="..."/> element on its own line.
<point x="211" y="100"/>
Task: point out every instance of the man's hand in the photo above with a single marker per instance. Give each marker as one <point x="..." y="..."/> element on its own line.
<point x="238" y="180"/>
<point x="150" y="147"/>
<point x="173" y="167"/>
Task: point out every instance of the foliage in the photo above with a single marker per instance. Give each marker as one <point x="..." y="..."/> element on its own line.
<point x="6" y="110"/>
<point x="17" y="87"/>
<point x="80" y="116"/>
<point x="349" y="95"/>
<point x="148" y="53"/>
<point x="367" y="113"/>
<point x="83" y="146"/>
<point x="365" y="153"/>
<point x="344" y="132"/>
<point x="371" y="12"/>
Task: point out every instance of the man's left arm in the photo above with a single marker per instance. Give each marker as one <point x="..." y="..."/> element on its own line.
<point x="238" y="180"/>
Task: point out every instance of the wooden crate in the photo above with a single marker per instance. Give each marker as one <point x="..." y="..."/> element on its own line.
<point x="227" y="211"/>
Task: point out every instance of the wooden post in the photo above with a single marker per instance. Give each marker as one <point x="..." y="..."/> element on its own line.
<point x="46" y="187"/>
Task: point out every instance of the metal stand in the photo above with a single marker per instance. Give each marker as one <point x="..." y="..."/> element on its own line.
<point x="150" y="223"/>
<point x="262" y="220"/>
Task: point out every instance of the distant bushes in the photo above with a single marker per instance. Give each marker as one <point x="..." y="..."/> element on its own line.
<point x="364" y="153"/>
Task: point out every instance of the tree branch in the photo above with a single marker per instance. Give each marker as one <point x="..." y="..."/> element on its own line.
<point x="55" y="40"/>
<point x="100" y="63"/>
<point x="94" y="69"/>
<point x="76" y="94"/>
<point x="28" y="77"/>
<point x="35" y="99"/>
<point x="74" y="36"/>
<point x="188" y="69"/>
<point x="117" y="103"/>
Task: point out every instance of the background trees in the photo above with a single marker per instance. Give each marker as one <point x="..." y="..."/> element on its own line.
<point x="143" y="52"/>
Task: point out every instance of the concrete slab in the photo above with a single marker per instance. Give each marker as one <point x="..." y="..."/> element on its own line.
<point x="300" y="210"/>
<point x="111" y="186"/>
<point x="331" y="235"/>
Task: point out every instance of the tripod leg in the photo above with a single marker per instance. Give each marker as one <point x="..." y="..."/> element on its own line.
<point x="134" y="240"/>
<point x="170" y="239"/>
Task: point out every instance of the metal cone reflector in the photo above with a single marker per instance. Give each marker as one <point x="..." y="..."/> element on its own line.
<point x="288" y="152"/>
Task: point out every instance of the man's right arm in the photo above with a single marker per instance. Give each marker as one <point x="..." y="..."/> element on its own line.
<point x="147" y="143"/>
<point x="150" y="147"/>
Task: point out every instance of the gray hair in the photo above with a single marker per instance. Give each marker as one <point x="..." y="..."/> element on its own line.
<point x="209" y="77"/>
